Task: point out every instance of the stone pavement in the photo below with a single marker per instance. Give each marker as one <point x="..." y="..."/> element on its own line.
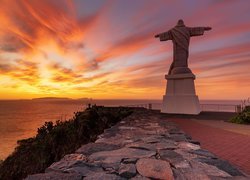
<point x="228" y="141"/>
<point x="145" y="145"/>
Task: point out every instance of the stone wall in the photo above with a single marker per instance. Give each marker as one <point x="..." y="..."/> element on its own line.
<point x="144" y="145"/>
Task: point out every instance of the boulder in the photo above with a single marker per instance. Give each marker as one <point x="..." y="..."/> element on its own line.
<point x="153" y="168"/>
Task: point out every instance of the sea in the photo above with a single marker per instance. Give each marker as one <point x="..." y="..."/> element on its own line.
<point x="20" y="119"/>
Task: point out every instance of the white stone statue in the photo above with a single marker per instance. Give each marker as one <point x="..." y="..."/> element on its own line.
<point x="180" y="36"/>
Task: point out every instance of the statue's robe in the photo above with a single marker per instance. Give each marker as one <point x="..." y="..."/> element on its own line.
<point x="180" y="36"/>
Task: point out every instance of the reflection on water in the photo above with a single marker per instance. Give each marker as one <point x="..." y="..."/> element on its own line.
<point x="20" y="119"/>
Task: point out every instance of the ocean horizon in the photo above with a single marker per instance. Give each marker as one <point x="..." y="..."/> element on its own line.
<point x="20" y="119"/>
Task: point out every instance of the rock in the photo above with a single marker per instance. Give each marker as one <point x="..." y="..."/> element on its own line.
<point x="188" y="137"/>
<point x="202" y="152"/>
<point x="189" y="174"/>
<point x="116" y="156"/>
<point x="127" y="141"/>
<point x="194" y="142"/>
<point x="110" y="170"/>
<point x="127" y="170"/>
<point x="221" y="164"/>
<point x="178" y="137"/>
<point x="209" y="169"/>
<point x="175" y="131"/>
<point x="91" y="148"/>
<point x="163" y="144"/>
<point x="171" y="156"/>
<point x="182" y="164"/>
<point x="168" y="145"/>
<point x="142" y="145"/>
<point x="129" y="160"/>
<point x="110" y="167"/>
<point x="67" y="162"/>
<point x="199" y="170"/>
<point x="117" y="139"/>
<point x="153" y="168"/>
<point x="152" y="139"/>
<point x="55" y="176"/>
<point x="186" y="154"/>
<point x="188" y="146"/>
<point x="78" y="157"/>
<point x="83" y="170"/>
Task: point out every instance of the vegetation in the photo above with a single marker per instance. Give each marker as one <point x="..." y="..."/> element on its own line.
<point x="52" y="142"/>
<point x="243" y="117"/>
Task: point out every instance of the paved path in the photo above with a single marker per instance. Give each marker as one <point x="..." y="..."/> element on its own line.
<point x="219" y="138"/>
<point x="237" y="128"/>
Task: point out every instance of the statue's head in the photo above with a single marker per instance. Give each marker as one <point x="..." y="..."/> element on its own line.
<point x="180" y="22"/>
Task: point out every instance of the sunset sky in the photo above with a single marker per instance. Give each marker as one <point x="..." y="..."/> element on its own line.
<point x="106" y="49"/>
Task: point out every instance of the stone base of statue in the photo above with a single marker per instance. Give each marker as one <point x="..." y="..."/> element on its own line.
<point x="180" y="97"/>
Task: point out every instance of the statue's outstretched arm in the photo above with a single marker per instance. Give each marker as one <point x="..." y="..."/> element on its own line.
<point x="160" y="34"/>
<point x="157" y="35"/>
<point x="207" y="28"/>
<point x="164" y="36"/>
<point x="198" y="31"/>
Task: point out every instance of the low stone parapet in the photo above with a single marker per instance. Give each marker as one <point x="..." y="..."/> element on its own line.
<point x="145" y="145"/>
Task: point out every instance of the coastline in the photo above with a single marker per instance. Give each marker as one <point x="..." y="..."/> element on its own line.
<point x="32" y="114"/>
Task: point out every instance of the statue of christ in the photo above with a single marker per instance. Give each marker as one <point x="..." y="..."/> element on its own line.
<point x="180" y="36"/>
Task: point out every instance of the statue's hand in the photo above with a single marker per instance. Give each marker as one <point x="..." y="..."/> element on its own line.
<point x="157" y="35"/>
<point x="208" y="28"/>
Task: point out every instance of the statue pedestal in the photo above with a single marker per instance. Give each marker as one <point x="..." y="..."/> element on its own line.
<point x="180" y="97"/>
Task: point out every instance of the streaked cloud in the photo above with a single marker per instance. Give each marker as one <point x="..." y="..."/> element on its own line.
<point x="106" y="49"/>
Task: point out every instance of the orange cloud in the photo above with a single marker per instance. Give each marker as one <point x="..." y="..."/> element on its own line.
<point x="104" y="50"/>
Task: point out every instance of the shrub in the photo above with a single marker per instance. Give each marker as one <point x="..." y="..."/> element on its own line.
<point x="53" y="141"/>
<point x="243" y="117"/>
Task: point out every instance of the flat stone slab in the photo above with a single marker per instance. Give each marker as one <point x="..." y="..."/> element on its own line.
<point x="91" y="148"/>
<point x="117" y="155"/>
<point x="143" y="146"/>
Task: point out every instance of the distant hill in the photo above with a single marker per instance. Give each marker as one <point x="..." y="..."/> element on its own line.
<point x="59" y="99"/>
<point x="51" y="98"/>
<point x="85" y="99"/>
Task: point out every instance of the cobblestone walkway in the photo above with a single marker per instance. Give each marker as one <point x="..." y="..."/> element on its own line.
<point x="228" y="145"/>
<point x="143" y="146"/>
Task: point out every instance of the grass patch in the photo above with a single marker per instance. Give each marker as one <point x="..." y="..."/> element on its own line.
<point x="53" y="141"/>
